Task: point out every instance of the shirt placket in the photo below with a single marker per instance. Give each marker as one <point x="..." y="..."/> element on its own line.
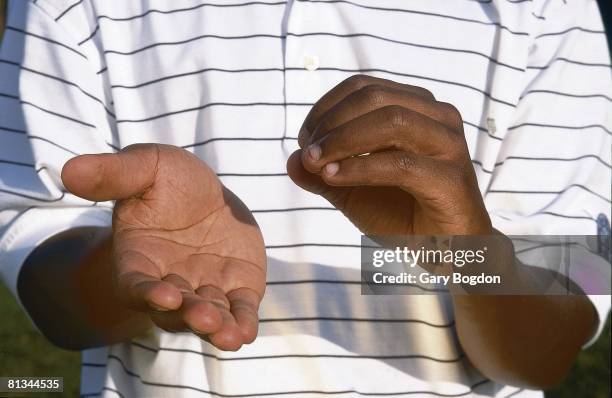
<point x="301" y="62"/>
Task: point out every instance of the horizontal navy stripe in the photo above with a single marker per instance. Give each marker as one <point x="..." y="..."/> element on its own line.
<point x="67" y="10"/>
<point x="509" y="1"/>
<point x="59" y="79"/>
<point x="204" y="70"/>
<point x="292" y="209"/>
<point x="57" y="43"/>
<point x="192" y="39"/>
<point x="48" y="141"/>
<point x="349" y="319"/>
<point x="320" y="281"/>
<point x="204" y="106"/>
<point x="512" y="394"/>
<point x="166" y="12"/>
<point x="252" y="174"/>
<point x="594" y="95"/>
<point x="550" y="213"/>
<point x="431" y="14"/>
<point x="497" y="191"/>
<point x="575" y="28"/>
<point x="196" y="108"/>
<point x="91" y="35"/>
<point x="411" y="44"/>
<point x="93" y="365"/>
<point x="39" y="199"/>
<point x="315" y="392"/>
<point x="395" y="73"/>
<point x="557" y="126"/>
<point x="554" y="159"/>
<point x="50" y="112"/>
<point x="315" y="281"/>
<point x="12" y="130"/>
<point x="16" y="163"/>
<point x="569" y="61"/>
<point x="218" y="139"/>
<point x="176" y="10"/>
<point x="303" y="356"/>
<point x="292" y="245"/>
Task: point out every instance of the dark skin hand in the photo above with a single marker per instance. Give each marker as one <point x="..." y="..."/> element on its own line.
<point x="186" y="253"/>
<point x="395" y="162"/>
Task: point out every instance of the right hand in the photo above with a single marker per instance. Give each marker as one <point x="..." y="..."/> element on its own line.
<point x="186" y="250"/>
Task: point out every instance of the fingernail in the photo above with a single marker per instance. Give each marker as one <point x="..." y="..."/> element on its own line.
<point x="314" y="151"/>
<point x="331" y="169"/>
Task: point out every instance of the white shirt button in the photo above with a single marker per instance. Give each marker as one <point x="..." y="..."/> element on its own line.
<point x="311" y="62"/>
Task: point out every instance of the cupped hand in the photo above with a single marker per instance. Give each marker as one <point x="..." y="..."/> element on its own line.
<point x="392" y="159"/>
<point x="186" y="250"/>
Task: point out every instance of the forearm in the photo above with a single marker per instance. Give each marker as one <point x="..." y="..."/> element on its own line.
<point x="66" y="286"/>
<point x="526" y="340"/>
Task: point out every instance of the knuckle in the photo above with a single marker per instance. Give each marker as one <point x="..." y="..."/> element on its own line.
<point x="357" y="82"/>
<point x="373" y="94"/>
<point x="403" y="163"/>
<point x="423" y="92"/>
<point x="452" y="113"/>
<point x="462" y="175"/>
<point x="395" y="116"/>
<point x="457" y="149"/>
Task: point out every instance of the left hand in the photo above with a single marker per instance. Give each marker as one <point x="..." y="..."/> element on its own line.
<point x="392" y="159"/>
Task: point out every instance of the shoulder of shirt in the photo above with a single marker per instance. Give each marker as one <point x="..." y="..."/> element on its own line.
<point x="561" y="9"/>
<point x="75" y="17"/>
<point x="53" y="8"/>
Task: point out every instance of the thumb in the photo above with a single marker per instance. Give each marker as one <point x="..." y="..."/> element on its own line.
<point x="303" y="178"/>
<point x="313" y="182"/>
<point x="110" y="176"/>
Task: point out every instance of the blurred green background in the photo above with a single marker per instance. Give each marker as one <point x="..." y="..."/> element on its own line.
<point x="24" y="352"/>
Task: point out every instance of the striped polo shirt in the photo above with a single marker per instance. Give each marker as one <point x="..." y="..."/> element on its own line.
<point x="231" y="81"/>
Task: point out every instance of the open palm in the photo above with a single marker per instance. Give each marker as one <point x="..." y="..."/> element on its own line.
<point x="186" y="250"/>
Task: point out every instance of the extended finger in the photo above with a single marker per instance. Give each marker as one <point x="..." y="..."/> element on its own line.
<point x="427" y="179"/>
<point x="343" y="89"/>
<point x="391" y="127"/>
<point x="201" y="310"/>
<point x="172" y="321"/>
<point x="140" y="288"/>
<point x="228" y="337"/>
<point x="244" y="303"/>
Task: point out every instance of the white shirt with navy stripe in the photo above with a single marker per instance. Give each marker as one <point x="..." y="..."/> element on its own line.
<point x="232" y="82"/>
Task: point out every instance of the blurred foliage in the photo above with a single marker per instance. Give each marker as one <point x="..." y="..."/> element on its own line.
<point x="24" y="352"/>
<point x="2" y="13"/>
<point x="590" y="376"/>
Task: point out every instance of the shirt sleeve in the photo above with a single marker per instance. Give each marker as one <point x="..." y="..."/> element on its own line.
<point x="54" y="105"/>
<point x="553" y="172"/>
